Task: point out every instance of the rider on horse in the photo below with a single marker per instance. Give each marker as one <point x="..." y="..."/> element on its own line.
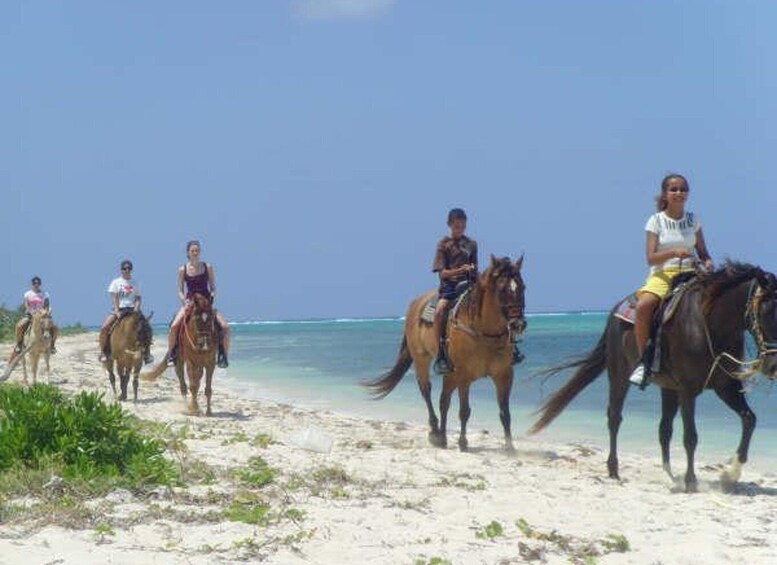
<point x="125" y="294"/>
<point x="672" y="237"/>
<point x="456" y="261"/>
<point x="198" y="277"/>
<point x="35" y="299"/>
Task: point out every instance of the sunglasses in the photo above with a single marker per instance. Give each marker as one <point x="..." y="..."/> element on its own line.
<point x="126" y="268"/>
<point x="676" y="189"/>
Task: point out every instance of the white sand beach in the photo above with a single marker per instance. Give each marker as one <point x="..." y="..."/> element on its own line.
<point x="383" y="495"/>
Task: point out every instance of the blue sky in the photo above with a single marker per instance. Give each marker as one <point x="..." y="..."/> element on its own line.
<point x="315" y="147"/>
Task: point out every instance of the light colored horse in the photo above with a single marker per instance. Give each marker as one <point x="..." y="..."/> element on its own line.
<point x="129" y="338"/>
<point x="37" y="344"/>
<point x="197" y="347"/>
<point x="480" y="333"/>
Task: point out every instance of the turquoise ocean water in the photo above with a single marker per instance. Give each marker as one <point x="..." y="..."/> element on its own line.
<point x="320" y="363"/>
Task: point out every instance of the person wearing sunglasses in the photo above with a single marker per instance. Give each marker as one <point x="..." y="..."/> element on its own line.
<point x="125" y="295"/>
<point x="35" y="299"/>
<point x="675" y="244"/>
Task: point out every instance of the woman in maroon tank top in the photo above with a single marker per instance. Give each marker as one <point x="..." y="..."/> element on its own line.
<point x="197" y="277"/>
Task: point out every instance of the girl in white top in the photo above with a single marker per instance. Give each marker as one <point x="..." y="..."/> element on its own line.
<point x="125" y="295"/>
<point x="674" y="239"/>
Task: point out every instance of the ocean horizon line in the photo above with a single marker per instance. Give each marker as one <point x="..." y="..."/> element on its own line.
<point x="358" y="319"/>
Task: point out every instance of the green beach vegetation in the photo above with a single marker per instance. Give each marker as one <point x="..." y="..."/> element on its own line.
<point x="90" y="445"/>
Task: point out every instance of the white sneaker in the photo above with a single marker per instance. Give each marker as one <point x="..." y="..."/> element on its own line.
<point x="638" y="375"/>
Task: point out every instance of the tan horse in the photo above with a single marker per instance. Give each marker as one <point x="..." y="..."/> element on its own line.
<point x="197" y="347"/>
<point x="481" y="330"/>
<point x="37" y="344"/>
<point x="130" y="336"/>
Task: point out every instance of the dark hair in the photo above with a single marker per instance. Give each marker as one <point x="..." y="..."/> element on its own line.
<point x="35" y="280"/>
<point x="192" y="242"/>
<point x="661" y="202"/>
<point x="456" y="214"/>
<point x="126" y="263"/>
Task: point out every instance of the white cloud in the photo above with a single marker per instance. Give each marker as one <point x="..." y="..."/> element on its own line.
<point x="342" y="9"/>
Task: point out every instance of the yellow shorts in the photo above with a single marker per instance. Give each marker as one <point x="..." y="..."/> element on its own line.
<point x="660" y="282"/>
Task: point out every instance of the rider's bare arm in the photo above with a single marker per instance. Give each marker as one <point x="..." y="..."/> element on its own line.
<point x="181" y="273"/>
<point x="701" y="251"/>
<point x="212" y="279"/>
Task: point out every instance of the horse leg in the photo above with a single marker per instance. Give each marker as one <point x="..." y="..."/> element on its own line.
<point x="690" y="439"/>
<point x="24" y="367"/>
<point x="135" y="382"/>
<point x="669" y="406"/>
<point x="181" y="380"/>
<point x="464" y="414"/>
<point x="504" y="384"/>
<point x="425" y="386"/>
<point x="208" y="389"/>
<point x="734" y="398"/>
<point x="123" y="382"/>
<point x="448" y="385"/>
<point x="194" y="388"/>
<point x="111" y="375"/>
<point x="34" y="367"/>
<point x="618" y="391"/>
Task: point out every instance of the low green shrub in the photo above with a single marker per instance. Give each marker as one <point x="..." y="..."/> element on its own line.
<point x="82" y="439"/>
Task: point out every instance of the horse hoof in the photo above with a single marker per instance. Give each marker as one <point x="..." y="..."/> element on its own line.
<point x="437" y="440"/>
<point x="463" y="446"/>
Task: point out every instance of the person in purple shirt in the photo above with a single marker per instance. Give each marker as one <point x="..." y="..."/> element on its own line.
<point x="196" y="277"/>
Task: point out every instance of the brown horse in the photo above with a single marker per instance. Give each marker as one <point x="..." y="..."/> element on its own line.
<point x="197" y="346"/>
<point x="701" y="347"/>
<point x="37" y="344"/>
<point x="130" y="336"/>
<point x="481" y="330"/>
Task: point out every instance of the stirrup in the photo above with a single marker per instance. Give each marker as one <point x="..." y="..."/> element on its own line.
<point x="222" y="362"/>
<point x="148" y="359"/>
<point x="17" y="348"/>
<point x="442" y="366"/>
<point x="53" y="350"/>
<point x="171" y="359"/>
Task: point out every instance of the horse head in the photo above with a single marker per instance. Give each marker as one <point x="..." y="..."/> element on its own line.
<point x="42" y="324"/>
<point x="143" y="327"/>
<point x="203" y="332"/>
<point x="762" y="321"/>
<point x="508" y="286"/>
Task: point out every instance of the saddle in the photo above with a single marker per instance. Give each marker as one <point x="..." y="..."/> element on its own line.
<point x="427" y="314"/>
<point x="626" y="310"/>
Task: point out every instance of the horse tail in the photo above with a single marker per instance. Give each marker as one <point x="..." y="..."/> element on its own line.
<point x="155" y="372"/>
<point x="381" y="387"/>
<point x="588" y="369"/>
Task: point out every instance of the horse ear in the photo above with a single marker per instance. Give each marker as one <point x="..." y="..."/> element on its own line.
<point x="519" y="263"/>
<point x="148" y="318"/>
<point x="493" y="260"/>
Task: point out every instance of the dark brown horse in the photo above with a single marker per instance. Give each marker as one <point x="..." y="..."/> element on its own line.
<point x="480" y="333"/>
<point x="702" y="347"/>
<point x="197" y="346"/>
<point x="130" y="337"/>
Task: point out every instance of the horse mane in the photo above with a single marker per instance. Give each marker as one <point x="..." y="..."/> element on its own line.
<point x="730" y="275"/>
<point x="484" y="280"/>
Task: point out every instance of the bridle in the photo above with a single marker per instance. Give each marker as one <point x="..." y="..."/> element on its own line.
<point x="755" y="297"/>
<point x="205" y="321"/>
<point x="510" y="294"/>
